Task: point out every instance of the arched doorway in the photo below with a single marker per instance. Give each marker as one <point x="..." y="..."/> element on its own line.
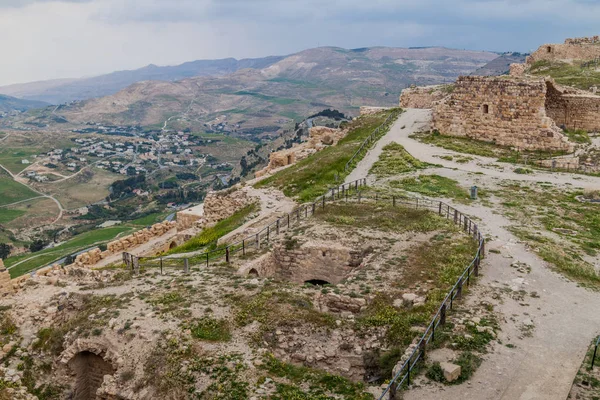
<point x="253" y="272"/>
<point x="317" y="282"/>
<point x="89" y="371"/>
<point x="172" y="245"/>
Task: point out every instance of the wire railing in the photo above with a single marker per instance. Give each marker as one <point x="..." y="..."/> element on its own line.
<point x="350" y="192"/>
<point x="368" y="142"/>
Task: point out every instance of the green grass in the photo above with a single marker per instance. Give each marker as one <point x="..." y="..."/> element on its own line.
<point x="578" y="136"/>
<point x="567" y="74"/>
<point x="210" y="236"/>
<point x="383" y="217"/>
<point x="9" y="215"/>
<point x="11" y="157"/>
<point x="311" y="384"/>
<point x="311" y="177"/>
<point x="277" y="100"/>
<point x="211" y="329"/>
<point x="396" y="160"/>
<point x="479" y="147"/>
<point x="12" y="192"/>
<point x="48" y="256"/>
<point x="434" y="186"/>
<point x="149" y="220"/>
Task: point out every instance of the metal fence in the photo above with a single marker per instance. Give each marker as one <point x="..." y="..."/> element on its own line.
<point x="349" y="192"/>
<point x="595" y="352"/>
<point x="368" y="142"/>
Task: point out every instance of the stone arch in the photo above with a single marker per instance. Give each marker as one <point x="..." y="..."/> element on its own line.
<point x="317" y="282"/>
<point x="90" y="370"/>
<point x="253" y="272"/>
<point x="172" y="245"/>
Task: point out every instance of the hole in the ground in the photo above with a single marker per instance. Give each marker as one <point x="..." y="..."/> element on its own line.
<point x="253" y="272"/>
<point x="89" y="371"/>
<point x="318" y="282"/>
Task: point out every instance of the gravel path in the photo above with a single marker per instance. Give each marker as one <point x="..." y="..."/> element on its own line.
<point x="409" y="122"/>
<point x="565" y="316"/>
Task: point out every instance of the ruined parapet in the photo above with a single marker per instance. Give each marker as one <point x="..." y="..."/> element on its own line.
<point x="225" y="203"/>
<point x="506" y="111"/>
<point x="518" y="70"/>
<point x="187" y="218"/>
<point x="579" y="49"/>
<point x="424" y="97"/>
<point x="6" y="286"/>
<point x="573" y="108"/>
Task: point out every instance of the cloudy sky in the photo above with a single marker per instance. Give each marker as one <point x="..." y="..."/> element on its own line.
<point x="46" y="39"/>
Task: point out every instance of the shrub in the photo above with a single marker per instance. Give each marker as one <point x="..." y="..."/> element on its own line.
<point x="435" y="373"/>
<point x="211" y="329"/>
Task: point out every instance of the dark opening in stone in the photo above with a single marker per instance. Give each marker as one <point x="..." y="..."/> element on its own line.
<point x="253" y="272"/>
<point x="89" y="371"/>
<point x="172" y="245"/>
<point x="318" y="282"/>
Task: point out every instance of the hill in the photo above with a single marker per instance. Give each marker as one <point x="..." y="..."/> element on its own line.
<point x="500" y="65"/>
<point x="9" y="104"/>
<point x="265" y="99"/>
<point x="67" y="90"/>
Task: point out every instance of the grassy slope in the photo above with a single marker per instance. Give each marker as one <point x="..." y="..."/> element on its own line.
<point x="312" y="176"/>
<point x="11" y="191"/>
<point x="209" y="236"/>
<point x="78" y="243"/>
<point x="567" y="74"/>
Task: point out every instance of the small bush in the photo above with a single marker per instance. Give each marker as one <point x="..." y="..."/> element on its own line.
<point x="435" y="373"/>
<point x="211" y="329"/>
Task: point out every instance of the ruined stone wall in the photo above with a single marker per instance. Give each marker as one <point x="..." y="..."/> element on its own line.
<point x="223" y="204"/>
<point x="319" y="138"/>
<point x="509" y="112"/>
<point x="584" y="40"/>
<point x="567" y="52"/>
<point x="368" y="110"/>
<point x="573" y="109"/>
<point x="186" y="219"/>
<point x="330" y="262"/>
<point x="423" y="97"/>
<point x="6" y="286"/>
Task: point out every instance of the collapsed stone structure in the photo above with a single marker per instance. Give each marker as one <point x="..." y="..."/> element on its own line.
<point x="319" y="138"/>
<point x="423" y="96"/>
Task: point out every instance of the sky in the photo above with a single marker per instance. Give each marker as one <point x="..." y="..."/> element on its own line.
<point x="50" y="39"/>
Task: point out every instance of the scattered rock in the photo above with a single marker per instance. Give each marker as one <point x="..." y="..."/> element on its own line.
<point x="451" y="371"/>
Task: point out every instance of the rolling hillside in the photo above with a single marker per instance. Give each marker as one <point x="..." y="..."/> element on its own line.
<point x="8" y="104"/>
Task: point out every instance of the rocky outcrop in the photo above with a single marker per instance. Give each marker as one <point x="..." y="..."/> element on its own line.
<point x="223" y="204"/>
<point x="6" y="286"/>
<point x="367" y="110"/>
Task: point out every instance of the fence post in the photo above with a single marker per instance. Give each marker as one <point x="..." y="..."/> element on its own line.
<point x="465" y="221"/>
<point x="161" y="266"/>
<point x="423" y="348"/>
<point x="244" y="245"/>
<point x="392" y="392"/>
<point x="186" y="265"/>
<point x="314" y="207"/>
<point x="227" y="254"/>
<point x="136" y="264"/>
<point x="443" y="314"/>
<point x="268" y="233"/>
<point x="476" y="271"/>
<point x="455" y="217"/>
<point x="277" y="226"/>
<point x="594" y="357"/>
<point x="440" y="208"/>
<point x="305" y="211"/>
<point x="417" y="203"/>
<point x="323" y="202"/>
<point x="359" y="197"/>
<point x="394" y="201"/>
<point x="298" y="215"/>
<point x="288" y="217"/>
<point x="376" y="197"/>
<point x="207" y="259"/>
<point x="459" y="289"/>
<point x="258" y="238"/>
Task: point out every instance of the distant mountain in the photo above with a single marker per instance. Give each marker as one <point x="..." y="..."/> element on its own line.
<point x="500" y="65"/>
<point x="67" y="90"/>
<point x="8" y="104"/>
<point x="266" y="99"/>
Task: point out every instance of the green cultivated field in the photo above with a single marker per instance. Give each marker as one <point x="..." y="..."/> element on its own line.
<point x="9" y="215"/>
<point x="45" y="257"/>
<point x="11" y="191"/>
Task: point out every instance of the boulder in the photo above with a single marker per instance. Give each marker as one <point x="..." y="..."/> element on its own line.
<point x="451" y="371"/>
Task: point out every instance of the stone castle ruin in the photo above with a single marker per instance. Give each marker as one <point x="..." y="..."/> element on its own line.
<point x="521" y="111"/>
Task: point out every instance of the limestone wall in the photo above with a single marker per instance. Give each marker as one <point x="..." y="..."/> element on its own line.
<point x="186" y="219"/>
<point x="368" y="110"/>
<point x="329" y="262"/>
<point x="6" y="286"/>
<point x="423" y="97"/>
<point x="136" y="239"/>
<point x="223" y="204"/>
<point x="572" y="108"/>
<point x="507" y="111"/>
<point x="583" y="49"/>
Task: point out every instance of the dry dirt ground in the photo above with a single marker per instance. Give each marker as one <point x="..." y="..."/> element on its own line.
<point x="560" y="316"/>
